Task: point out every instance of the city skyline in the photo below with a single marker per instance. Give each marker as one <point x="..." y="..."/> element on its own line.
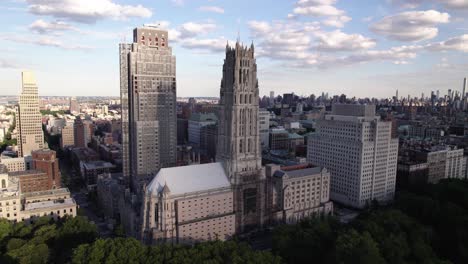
<point x="324" y="45"/>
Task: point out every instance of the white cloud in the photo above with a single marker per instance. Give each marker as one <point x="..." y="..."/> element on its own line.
<point x="449" y="4"/>
<point x="46" y="41"/>
<point x="188" y="35"/>
<point x="334" y="17"/>
<point x="214" y="9"/>
<point x="43" y="27"/>
<point x="214" y="45"/>
<point x="8" y="64"/>
<point x="396" y="55"/>
<point x="459" y="43"/>
<point x="339" y="41"/>
<point x="284" y="40"/>
<point x="192" y="29"/>
<point x="411" y="26"/>
<point x="338" y="21"/>
<point x="444" y="64"/>
<point x="86" y="11"/>
<point x="455" y="3"/>
<point x="178" y="2"/>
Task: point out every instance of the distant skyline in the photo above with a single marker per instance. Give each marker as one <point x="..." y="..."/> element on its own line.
<point x="362" y="48"/>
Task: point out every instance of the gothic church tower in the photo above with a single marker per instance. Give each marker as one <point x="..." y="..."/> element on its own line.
<point x="238" y="136"/>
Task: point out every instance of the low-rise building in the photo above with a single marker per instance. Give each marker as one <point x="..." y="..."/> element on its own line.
<point x="18" y="206"/>
<point x="297" y="192"/>
<point x="32" y="180"/>
<point x="412" y="173"/>
<point x="279" y="139"/>
<point x="189" y="204"/>
<point x="46" y="160"/>
<point x="17" y="164"/>
<point x="90" y="170"/>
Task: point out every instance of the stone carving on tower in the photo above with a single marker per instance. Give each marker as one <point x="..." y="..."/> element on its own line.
<point x="238" y="136"/>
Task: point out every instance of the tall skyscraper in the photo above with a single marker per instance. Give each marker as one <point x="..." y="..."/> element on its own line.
<point x="356" y="146"/>
<point x="28" y="117"/>
<point x="74" y="106"/>
<point x="148" y="96"/>
<point x="238" y="135"/>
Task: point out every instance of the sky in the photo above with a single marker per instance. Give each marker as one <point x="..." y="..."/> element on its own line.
<point x="362" y="48"/>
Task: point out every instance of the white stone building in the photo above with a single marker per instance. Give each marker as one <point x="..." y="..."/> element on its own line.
<point x="356" y="146"/>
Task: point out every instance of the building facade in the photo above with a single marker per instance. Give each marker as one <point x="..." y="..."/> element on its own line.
<point x="46" y="160"/>
<point x="238" y="136"/>
<point x="68" y="136"/>
<point x="444" y="162"/>
<point x="17" y="164"/>
<point x="264" y="128"/>
<point x="28" y="117"/>
<point x="19" y="206"/>
<point x="356" y="146"/>
<point x="297" y="192"/>
<point x="74" y="107"/>
<point x="196" y="122"/>
<point x="148" y="96"/>
<point x="32" y="180"/>
<point x="279" y="139"/>
<point x="189" y="204"/>
<point x="83" y="132"/>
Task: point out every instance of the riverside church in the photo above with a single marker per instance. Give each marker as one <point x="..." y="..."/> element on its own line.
<point x="235" y="194"/>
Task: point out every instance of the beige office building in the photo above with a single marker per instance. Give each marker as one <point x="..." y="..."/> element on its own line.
<point x="17" y="164"/>
<point x="28" y="116"/>
<point x="68" y="136"/>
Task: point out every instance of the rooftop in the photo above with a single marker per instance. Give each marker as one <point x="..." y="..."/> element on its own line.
<point x="299" y="173"/>
<point x="48" y="192"/>
<point x="203" y="117"/>
<point x="294" y="136"/>
<point x="25" y="173"/>
<point x="49" y="204"/>
<point x="189" y="179"/>
<point x="93" y="165"/>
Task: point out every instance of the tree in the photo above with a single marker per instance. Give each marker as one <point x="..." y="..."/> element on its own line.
<point x="352" y="247"/>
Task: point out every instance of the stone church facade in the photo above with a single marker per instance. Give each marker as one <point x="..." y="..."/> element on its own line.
<point x="203" y="202"/>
